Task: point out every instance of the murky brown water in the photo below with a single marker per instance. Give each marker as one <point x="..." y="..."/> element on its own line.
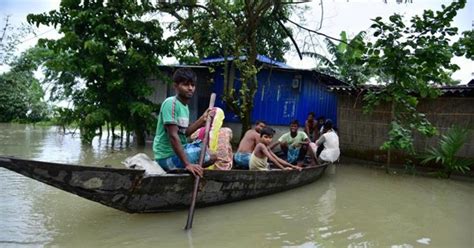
<point x="355" y="207"/>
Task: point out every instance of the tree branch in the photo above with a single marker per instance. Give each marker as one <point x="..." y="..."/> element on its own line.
<point x="291" y="38"/>
<point x="5" y="28"/>
<point x="322" y="15"/>
<point x="316" y="32"/>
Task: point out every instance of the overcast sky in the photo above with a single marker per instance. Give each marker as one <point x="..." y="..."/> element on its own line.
<point x="339" y="15"/>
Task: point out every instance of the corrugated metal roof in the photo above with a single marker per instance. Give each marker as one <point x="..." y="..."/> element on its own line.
<point x="260" y="58"/>
<point x="184" y="66"/>
<point x="458" y="90"/>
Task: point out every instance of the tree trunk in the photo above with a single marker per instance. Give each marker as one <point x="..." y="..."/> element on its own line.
<point x="140" y="137"/>
<point x="246" y="124"/>
<point x="389" y="153"/>
<point x="112" y="129"/>
<point x="121" y="134"/>
<point x="127" y="139"/>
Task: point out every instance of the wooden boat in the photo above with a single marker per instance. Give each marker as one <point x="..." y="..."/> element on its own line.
<point x="133" y="191"/>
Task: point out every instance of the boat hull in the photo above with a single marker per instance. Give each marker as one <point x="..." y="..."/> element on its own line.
<point x="132" y="191"/>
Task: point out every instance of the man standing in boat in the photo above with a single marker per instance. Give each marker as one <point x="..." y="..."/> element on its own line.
<point x="170" y="144"/>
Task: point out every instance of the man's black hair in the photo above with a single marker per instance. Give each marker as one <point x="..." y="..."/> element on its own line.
<point x="260" y="121"/>
<point x="328" y="124"/>
<point x="321" y="117"/>
<point x="183" y="75"/>
<point x="312" y="114"/>
<point x="267" y="131"/>
<point x="295" y="122"/>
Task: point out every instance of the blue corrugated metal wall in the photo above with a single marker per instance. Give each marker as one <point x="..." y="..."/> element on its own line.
<point x="278" y="103"/>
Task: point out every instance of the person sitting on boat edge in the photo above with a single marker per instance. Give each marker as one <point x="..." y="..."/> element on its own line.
<point x="170" y="143"/>
<point x="330" y="141"/>
<point x="294" y="144"/>
<point x="261" y="153"/>
<point x="247" y="145"/>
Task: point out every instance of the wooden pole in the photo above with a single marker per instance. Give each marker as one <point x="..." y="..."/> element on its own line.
<point x="189" y="223"/>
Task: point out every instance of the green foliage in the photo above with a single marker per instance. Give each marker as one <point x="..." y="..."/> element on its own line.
<point x="63" y="117"/>
<point x="465" y="45"/>
<point x="219" y="28"/>
<point x="108" y="51"/>
<point x="347" y="61"/>
<point x="410" y="61"/>
<point x="21" y="97"/>
<point x="445" y="154"/>
<point x="400" y="138"/>
<point x="10" y="37"/>
<point x="93" y="120"/>
<point x="13" y="97"/>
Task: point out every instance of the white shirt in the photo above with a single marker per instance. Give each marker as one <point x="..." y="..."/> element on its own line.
<point x="331" y="151"/>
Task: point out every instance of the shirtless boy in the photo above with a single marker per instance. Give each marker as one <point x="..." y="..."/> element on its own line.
<point x="311" y="127"/>
<point x="247" y="145"/>
<point x="261" y="154"/>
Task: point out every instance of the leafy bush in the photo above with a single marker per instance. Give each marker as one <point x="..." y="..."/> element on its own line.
<point x="445" y="154"/>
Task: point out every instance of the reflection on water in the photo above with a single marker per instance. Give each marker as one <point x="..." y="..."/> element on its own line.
<point x="354" y="207"/>
<point x="18" y="214"/>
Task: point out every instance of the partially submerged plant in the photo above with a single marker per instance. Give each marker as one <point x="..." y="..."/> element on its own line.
<point x="445" y="154"/>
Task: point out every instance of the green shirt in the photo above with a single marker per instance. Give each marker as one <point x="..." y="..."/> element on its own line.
<point x="293" y="141"/>
<point x="172" y="112"/>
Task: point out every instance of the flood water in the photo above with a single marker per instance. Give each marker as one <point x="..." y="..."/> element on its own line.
<point x="353" y="207"/>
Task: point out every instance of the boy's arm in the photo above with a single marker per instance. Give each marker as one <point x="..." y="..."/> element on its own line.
<point x="274" y="145"/>
<point x="172" y="131"/>
<point x="283" y="162"/>
<point x="306" y="127"/>
<point x="270" y="155"/>
<point x="305" y="141"/>
<point x="320" y="141"/>
<point x="280" y="141"/>
<point x="315" y="134"/>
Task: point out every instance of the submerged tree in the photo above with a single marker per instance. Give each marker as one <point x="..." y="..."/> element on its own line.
<point x="108" y="51"/>
<point x="410" y="62"/>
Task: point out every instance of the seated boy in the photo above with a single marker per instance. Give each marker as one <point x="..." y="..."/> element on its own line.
<point x="247" y="145"/>
<point x="261" y="154"/>
<point x="170" y="144"/>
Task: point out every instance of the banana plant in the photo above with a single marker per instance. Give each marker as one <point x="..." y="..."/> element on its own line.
<point x="346" y="61"/>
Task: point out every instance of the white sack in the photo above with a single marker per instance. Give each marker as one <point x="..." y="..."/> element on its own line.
<point x="142" y="162"/>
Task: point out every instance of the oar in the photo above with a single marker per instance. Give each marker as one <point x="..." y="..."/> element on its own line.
<point x="189" y="223"/>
